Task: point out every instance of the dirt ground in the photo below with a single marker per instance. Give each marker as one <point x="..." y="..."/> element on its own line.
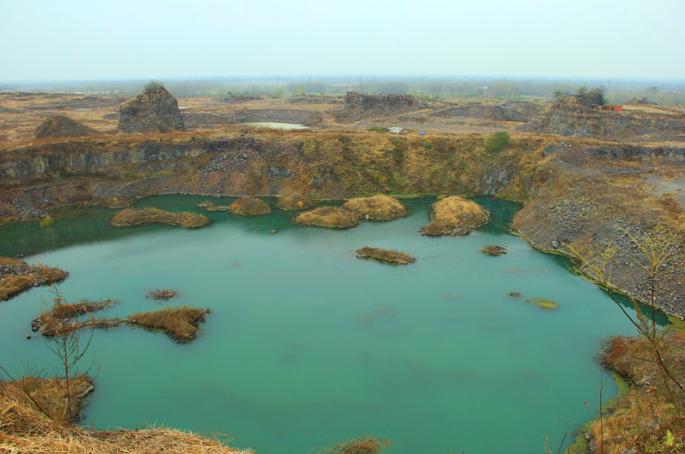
<point x="21" y="113"/>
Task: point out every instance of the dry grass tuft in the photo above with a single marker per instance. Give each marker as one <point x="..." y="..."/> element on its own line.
<point x="360" y="446"/>
<point x="455" y="216"/>
<point x="181" y="323"/>
<point x="25" y="429"/>
<point x="376" y="208"/>
<point x="328" y="217"/>
<point x="21" y="401"/>
<point x="249" y="206"/>
<point x="648" y="418"/>
<point x="131" y="217"/>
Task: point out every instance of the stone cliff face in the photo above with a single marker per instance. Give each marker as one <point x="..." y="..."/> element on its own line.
<point x="590" y="198"/>
<point x="359" y="103"/>
<point x="155" y="109"/>
<point x="571" y="119"/>
<point x="331" y="165"/>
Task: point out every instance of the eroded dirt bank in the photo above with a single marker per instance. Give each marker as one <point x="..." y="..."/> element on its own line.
<point x="576" y="191"/>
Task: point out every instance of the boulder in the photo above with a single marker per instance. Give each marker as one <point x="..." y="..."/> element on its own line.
<point x="152" y="110"/>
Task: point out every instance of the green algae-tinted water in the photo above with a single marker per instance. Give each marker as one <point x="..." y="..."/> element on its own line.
<point x="308" y="346"/>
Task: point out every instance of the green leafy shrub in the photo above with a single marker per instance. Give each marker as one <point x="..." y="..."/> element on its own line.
<point x="497" y="142"/>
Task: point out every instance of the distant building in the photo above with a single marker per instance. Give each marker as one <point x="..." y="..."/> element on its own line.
<point x="607" y="107"/>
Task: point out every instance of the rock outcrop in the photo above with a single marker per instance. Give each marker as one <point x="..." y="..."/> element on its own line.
<point x="359" y="103"/>
<point x="569" y="116"/>
<point x="61" y="126"/>
<point x="455" y="216"/>
<point x="152" y="110"/>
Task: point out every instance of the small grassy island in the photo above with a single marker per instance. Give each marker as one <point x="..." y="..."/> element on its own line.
<point x="162" y="294"/>
<point x="294" y="202"/>
<point x="376" y="208"/>
<point x="385" y="256"/>
<point x="132" y="217"/>
<point x="494" y="250"/>
<point x="328" y="217"/>
<point x="210" y="206"/>
<point x="17" y="276"/>
<point x="179" y="323"/>
<point x="455" y="216"/>
<point x="249" y="206"/>
<point x="543" y="303"/>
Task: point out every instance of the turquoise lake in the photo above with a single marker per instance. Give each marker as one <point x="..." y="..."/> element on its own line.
<point x="307" y="346"/>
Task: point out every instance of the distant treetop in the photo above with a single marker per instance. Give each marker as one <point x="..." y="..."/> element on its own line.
<point x="590" y="97"/>
<point x="154" y="85"/>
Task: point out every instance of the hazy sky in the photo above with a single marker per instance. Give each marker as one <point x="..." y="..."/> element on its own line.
<point x="91" y="39"/>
